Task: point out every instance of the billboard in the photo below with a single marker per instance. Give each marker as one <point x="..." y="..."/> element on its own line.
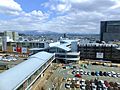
<point x="24" y="50"/>
<point x="18" y="49"/>
<point x="14" y="49"/>
<point x="99" y="55"/>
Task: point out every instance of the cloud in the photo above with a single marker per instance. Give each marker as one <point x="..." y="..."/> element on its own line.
<point x="79" y="16"/>
<point x="82" y="22"/>
<point x="58" y="5"/>
<point x="83" y="16"/>
<point x="117" y="5"/>
<point x="10" y="7"/>
<point x="25" y="21"/>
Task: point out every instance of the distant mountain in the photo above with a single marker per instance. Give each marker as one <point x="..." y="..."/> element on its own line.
<point x="35" y="32"/>
<point x="42" y="32"/>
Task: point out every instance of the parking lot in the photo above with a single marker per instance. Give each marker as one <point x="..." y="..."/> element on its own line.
<point x="76" y="76"/>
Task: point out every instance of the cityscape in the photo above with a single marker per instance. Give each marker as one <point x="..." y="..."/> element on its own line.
<point x="60" y="45"/>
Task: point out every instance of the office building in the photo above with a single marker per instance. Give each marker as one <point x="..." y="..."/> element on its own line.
<point x="11" y="36"/>
<point x="15" y="36"/>
<point x="96" y="51"/>
<point x="110" y="31"/>
<point x="0" y="44"/>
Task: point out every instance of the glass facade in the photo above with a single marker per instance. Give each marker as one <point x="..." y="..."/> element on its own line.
<point x="110" y="30"/>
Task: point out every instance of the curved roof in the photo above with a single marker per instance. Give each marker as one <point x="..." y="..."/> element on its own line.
<point x="63" y="47"/>
<point x="12" y="78"/>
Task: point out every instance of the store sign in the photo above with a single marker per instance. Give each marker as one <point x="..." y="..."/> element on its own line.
<point x="14" y="49"/>
<point x="18" y="49"/>
<point x="99" y="55"/>
<point x="24" y="50"/>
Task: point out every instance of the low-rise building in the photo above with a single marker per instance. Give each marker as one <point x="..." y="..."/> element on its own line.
<point x="99" y="51"/>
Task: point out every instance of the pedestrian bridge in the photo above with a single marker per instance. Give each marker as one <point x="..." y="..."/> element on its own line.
<point x="23" y="75"/>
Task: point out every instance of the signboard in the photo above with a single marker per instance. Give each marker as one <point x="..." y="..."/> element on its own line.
<point x="18" y="49"/>
<point x="24" y="50"/>
<point x="99" y="55"/>
<point x="14" y="49"/>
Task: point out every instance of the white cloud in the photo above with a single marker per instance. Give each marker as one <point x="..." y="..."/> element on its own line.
<point x="117" y="5"/>
<point x="58" y="5"/>
<point x="25" y="21"/>
<point x="9" y="7"/>
<point x="78" y="1"/>
<point x="80" y="16"/>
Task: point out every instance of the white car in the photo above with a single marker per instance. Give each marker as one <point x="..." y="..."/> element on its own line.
<point x="67" y="85"/>
<point x="82" y="81"/>
<point x="104" y="87"/>
<point x="93" y="86"/>
<point x="85" y="73"/>
<point x="109" y="74"/>
<point x="81" y="71"/>
<point x="82" y="87"/>
<point x="118" y="75"/>
<point x="114" y="74"/>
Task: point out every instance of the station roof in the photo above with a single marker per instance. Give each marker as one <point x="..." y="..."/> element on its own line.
<point x="70" y="41"/>
<point x="64" y="47"/>
<point x="63" y="44"/>
<point x="32" y="49"/>
<point x="14" y="77"/>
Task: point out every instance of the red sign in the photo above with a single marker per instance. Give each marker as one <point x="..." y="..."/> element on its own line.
<point x="18" y="49"/>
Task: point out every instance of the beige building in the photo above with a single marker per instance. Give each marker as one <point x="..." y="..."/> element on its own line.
<point x="11" y="35"/>
<point x="15" y="36"/>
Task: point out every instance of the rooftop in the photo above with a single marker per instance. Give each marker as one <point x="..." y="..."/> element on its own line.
<point x="22" y="71"/>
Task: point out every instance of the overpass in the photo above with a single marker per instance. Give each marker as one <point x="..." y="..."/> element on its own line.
<point x="23" y="75"/>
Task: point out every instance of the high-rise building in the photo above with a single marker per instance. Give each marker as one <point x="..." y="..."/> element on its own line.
<point x="110" y="31"/>
<point x="15" y="36"/>
<point x="0" y="43"/>
<point x="11" y="36"/>
<point x="8" y="34"/>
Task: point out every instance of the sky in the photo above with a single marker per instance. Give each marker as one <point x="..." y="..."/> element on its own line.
<point x="62" y="16"/>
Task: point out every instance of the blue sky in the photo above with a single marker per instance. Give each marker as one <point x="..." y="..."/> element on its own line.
<point x="30" y="5"/>
<point x="63" y="16"/>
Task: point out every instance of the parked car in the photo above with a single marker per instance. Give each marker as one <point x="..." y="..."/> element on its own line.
<point x="73" y="72"/>
<point x="118" y="75"/>
<point x="113" y="74"/>
<point x="105" y="73"/>
<point x="81" y="71"/>
<point x="67" y="85"/>
<point x="106" y="83"/>
<point x="97" y="73"/>
<point x="101" y="73"/>
<point x="82" y="81"/>
<point x="72" y="85"/>
<point x="82" y="87"/>
<point x="88" y="73"/>
<point x="78" y="75"/>
<point x="85" y="73"/>
<point x="104" y="87"/>
<point x="92" y="73"/>
<point x="77" y="84"/>
<point x="109" y="74"/>
<point x="93" y="86"/>
<point x="69" y="79"/>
